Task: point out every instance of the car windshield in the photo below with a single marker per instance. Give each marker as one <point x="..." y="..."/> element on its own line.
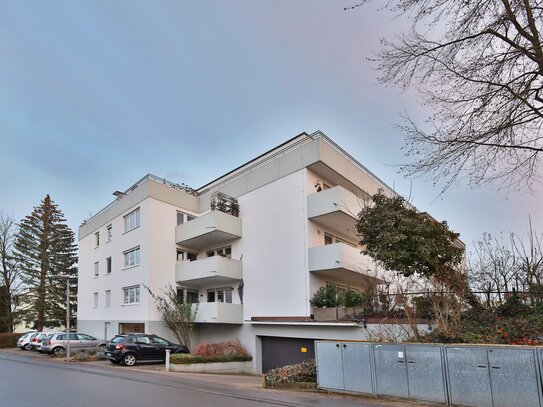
<point x="117" y="339"/>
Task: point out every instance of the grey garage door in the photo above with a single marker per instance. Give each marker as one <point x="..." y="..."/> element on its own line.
<point x="280" y="351"/>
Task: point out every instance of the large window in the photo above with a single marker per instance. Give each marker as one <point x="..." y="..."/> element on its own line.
<point x="184" y="218"/>
<point x="95" y="300"/>
<point x="220" y="295"/>
<point x="132" y="220"/>
<point x="97" y="239"/>
<point x="131" y="295"/>
<point x="183" y="255"/>
<point x="109" y="232"/>
<point x="108" y="265"/>
<point x="132" y="257"/>
<point x="96" y="269"/>
<point x="187" y="295"/>
<point x="223" y="252"/>
<point x="108" y="298"/>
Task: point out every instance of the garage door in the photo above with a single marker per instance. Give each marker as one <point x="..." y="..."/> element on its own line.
<point x="280" y="351"/>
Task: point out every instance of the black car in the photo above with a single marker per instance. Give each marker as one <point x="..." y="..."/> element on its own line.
<point x="130" y="348"/>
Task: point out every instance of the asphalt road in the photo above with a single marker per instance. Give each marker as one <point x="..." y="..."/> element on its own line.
<point x="30" y="381"/>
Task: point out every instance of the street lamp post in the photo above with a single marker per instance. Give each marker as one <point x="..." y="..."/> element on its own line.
<point x="67" y="277"/>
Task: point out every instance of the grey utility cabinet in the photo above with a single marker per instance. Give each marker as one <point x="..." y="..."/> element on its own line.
<point x="410" y="371"/>
<point x="493" y="376"/>
<point x="344" y="366"/>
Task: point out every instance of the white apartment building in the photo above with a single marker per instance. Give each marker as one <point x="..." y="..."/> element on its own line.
<point x="252" y="271"/>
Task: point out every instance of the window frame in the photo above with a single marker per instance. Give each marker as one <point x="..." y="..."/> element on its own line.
<point x="96" y="269"/>
<point x="109" y="232"/>
<point x="95" y="300"/>
<point x="136" y="215"/>
<point x="108" y="265"/>
<point x="127" y="294"/>
<point x="107" y="302"/>
<point x="137" y="257"/>
<point x="96" y="239"/>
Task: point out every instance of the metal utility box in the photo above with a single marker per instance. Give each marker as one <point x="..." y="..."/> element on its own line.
<point x="425" y="373"/>
<point x="469" y="381"/>
<point x="344" y="366"/>
<point x="391" y="370"/>
<point x="514" y="377"/>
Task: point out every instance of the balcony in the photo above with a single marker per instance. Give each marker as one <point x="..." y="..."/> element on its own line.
<point x="341" y="262"/>
<point x="214" y="270"/>
<point x="212" y="229"/>
<point x="335" y="208"/>
<point x="219" y="313"/>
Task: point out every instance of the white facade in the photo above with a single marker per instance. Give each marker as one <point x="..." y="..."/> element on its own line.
<point x="287" y="241"/>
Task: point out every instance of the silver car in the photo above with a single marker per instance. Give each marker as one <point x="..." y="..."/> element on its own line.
<point x="24" y="341"/>
<point x="58" y="342"/>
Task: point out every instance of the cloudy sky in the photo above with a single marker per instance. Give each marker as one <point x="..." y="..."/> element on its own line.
<point x="94" y="95"/>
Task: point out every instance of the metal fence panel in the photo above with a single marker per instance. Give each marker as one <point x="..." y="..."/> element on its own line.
<point x="514" y="379"/>
<point x="425" y="373"/>
<point x="329" y="365"/>
<point x="391" y="370"/>
<point x="357" y="367"/>
<point x="468" y="376"/>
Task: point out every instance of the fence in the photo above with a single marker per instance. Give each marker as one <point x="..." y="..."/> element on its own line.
<point x="479" y="376"/>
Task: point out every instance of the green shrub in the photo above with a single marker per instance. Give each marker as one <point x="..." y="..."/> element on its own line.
<point x="326" y="297"/>
<point x="185" y="359"/>
<point x="226" y="348"/>
<point x="352" y="298"/>
<point x="9" y="340"/>
<point x="301" y="372"/>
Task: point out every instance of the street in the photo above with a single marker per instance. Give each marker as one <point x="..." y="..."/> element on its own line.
<point x="30" y="381"/>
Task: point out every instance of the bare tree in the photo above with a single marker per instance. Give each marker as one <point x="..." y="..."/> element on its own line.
<point x="10" y="281"/>
<point x="478" y="66"/>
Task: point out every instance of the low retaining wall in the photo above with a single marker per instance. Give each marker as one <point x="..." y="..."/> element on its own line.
<point x="224" y="367"/>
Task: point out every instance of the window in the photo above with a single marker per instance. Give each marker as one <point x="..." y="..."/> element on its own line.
<point x="223" y="251"/>
<point x="187" y="295"/>
<point x="329" y="239"/>
<point x="220" y="295"/>
<point x="183" y="255"/>
<point x="132" y="257"/>
<point x="95" y="300"/>
<point x="184" y="217"/>
<point x="108" y="298"/>
<point x="132" y="220"/>
<point x="131" y="295"/>
<point x="159" y="341"/>
<point x="97" y="239"/>
<point x="96" y="269"/>
<point x="108" y="265"/>
<point x="109" y="232"/>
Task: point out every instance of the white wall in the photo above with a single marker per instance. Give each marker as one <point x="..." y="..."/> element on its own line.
<point x="274" y="248"/>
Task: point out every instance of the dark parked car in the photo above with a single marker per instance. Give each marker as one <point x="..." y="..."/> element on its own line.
<point x="130" y="348"/>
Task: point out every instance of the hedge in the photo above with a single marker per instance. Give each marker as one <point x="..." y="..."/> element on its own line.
<point x="9" y="340"/>
<point x="185" y="359"/>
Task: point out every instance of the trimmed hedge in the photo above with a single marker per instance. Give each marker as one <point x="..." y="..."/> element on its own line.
<point x="185" y="359"/>
<point x="9" y="340"/>
<point x="305" y="372"/>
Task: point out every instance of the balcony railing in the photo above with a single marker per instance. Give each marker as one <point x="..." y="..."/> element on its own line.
<point x="214" y="270"/>
<point x="341" y="262"/>
<point x="219" y="313"/>
<point x="336" y="208"/>
<point x="213" y="228"/>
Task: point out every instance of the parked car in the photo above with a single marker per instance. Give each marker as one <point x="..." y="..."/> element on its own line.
<point x="23" y="341"/>
<point x="43" y="341"/>
<point x="131" y="348"/>
<point x="57" y="343"/>
<point x="36" y="339"/>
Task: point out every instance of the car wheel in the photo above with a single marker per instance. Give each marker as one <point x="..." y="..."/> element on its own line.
<point x="129" y="359"/>
<point x="26" y="347"/>
<point x="115" y="362"/>
<point x="58" y="351"/>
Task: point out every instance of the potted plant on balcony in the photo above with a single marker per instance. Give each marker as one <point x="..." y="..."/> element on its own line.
<point x="353" y="303"/>
<point x="325" y="302"/>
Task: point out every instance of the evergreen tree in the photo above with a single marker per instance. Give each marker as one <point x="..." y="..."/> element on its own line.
<point x="45" y="248"/>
